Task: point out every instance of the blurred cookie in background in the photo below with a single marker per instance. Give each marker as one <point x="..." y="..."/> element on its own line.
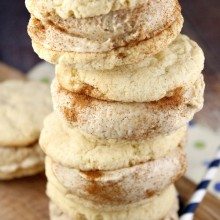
<point x="23" y="106"/>
<point x="43" y="72"/>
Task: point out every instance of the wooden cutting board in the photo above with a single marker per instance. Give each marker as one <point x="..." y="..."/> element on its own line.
<point x="25" y="199"/>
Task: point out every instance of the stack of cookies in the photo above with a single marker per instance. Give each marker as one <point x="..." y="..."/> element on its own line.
<point x="127" y="84"/>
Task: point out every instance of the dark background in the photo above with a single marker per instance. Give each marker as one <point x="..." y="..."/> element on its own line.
<point x="15" y="45"/>
<point x="202" y="22"/>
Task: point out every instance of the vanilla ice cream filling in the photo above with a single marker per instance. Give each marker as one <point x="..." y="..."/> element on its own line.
<point x="52" y="38"/>
<point x="113" y="30"/>
<point x="13" y="159"/>
<point x="27" y="163"/>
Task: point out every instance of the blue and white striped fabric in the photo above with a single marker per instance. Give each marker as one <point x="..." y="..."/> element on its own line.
<point x="189" y="211"/>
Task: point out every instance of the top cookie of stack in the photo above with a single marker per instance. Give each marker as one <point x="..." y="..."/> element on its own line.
<point x="119" y="32"/>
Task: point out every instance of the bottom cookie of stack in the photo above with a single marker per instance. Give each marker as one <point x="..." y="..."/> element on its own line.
<point x="160" y="207"/>
<point x="104" y="179"/>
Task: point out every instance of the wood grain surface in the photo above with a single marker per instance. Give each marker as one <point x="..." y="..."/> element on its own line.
<point x="209" y="209"/>
<point x="25" y="199"/>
